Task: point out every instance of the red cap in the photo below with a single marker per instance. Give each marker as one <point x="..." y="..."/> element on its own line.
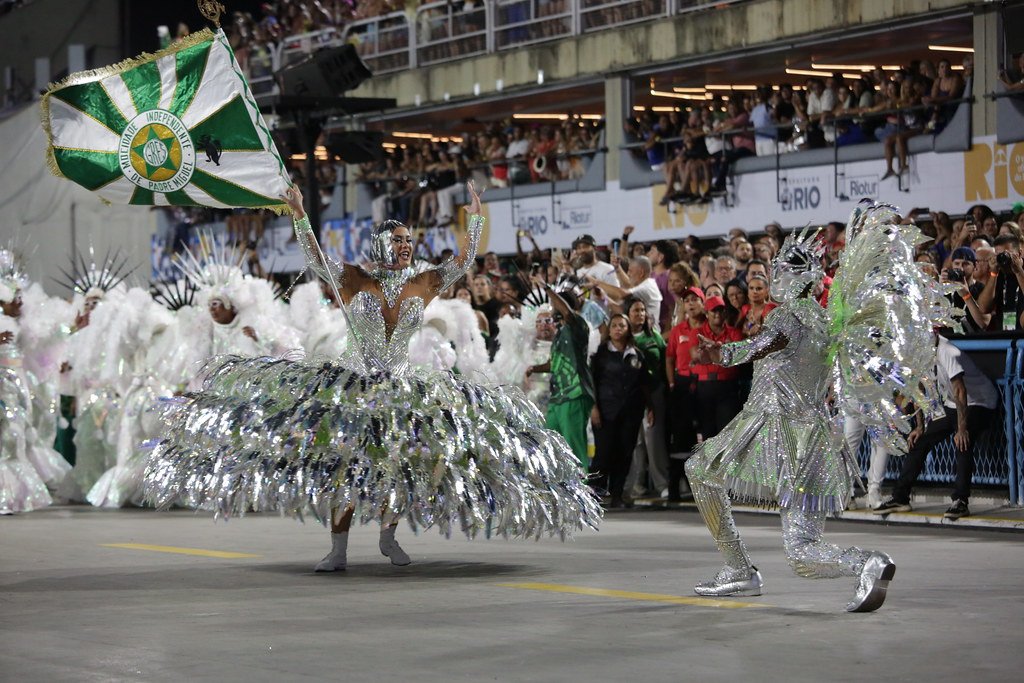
<point x="711" y="303"/>
<point x="696" y="291"/>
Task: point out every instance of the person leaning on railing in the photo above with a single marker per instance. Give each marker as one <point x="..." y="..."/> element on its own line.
<point x="1016" y="82"/>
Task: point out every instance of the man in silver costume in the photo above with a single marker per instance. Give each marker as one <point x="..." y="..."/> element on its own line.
<point x="782" y="446"/>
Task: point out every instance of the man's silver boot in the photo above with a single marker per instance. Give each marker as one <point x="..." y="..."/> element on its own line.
<point x="873" y="583"/>
<point x="730" y="581"/>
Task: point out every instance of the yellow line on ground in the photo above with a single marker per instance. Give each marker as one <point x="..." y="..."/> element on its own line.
<point x="630" y="595"/>
<point x="223" y="554"/>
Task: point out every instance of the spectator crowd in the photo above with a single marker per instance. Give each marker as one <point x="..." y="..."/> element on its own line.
<point x="417" y="182"/>
<point x="695" y="148"/>
<point x="643" y="390"/>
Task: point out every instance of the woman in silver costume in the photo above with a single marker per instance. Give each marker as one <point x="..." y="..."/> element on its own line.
<point x="783" y="447"/>
<point x="367" y="437"/>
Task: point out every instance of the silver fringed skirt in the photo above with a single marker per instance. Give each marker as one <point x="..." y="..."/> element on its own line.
<point x="768" y="459"/>
<point x="279" y="435"/>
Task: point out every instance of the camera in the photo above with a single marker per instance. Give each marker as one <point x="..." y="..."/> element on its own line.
<point x="955" y="275"/>
<point x="1004" y="261"/>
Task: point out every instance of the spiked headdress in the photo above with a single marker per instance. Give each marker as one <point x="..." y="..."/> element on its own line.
<point x="92" y="279"/>
<point x="797" y="265"/>
<point x="214" y="270"/>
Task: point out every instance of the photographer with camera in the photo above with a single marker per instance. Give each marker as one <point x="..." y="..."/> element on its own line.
<point x="1003" y="295"/>
<point x="963" y="262"/>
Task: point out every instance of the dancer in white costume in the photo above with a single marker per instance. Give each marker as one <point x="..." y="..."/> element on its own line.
<point x="131" y="328"/>
<point x="88" y="373"/>
<point x="28" y="463"/>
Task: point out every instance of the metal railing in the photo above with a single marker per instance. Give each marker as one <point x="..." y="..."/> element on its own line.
<point x="597" y="15"/>
<point x="446" y="32"/>
<point x="517" y="23"/>
<point x="293" y="48"/>
<point x="385" y="42"/>
<point x="441" y="32"/>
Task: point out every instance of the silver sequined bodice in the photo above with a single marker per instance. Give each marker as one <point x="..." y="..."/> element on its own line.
<point x="370" y="349"/>
<point x="795" y="380"/>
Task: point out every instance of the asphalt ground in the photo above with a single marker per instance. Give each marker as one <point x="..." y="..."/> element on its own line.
<point x="140" y="595"/>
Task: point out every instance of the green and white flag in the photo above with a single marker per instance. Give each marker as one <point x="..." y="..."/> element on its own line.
<point x="179" y="127"/>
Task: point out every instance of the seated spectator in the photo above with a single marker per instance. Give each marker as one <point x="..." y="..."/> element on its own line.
<point x="909" y="123"/>
<point x="496" y="154"/>
<point x="518" y="154"/>
<point x="970" y="400"/>
<point x="757" y="308"/>
<point x="763" y="118"/>
<point x="947" y="85"/>
<point x="1014" y="82"/>
<point x="741" y="144"/>
<point x="653" y="145"/>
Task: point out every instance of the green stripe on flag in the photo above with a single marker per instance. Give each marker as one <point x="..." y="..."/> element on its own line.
<point x="142" y="196"/>
<point x="88" y="168"/>
<point x="191" y="65"/>
<point x="231" y="126"/>
<point x="144" y="86"/>
<point x="179" y="198"/>
<point x="92" y="100"/>
<point x="229" y="193"/>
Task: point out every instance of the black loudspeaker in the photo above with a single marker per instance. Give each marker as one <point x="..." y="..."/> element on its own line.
<point x="325" y="73"/>
<point x="356" y="147"/>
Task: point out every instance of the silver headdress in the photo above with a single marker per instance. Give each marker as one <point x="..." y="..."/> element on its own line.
<point x="381" y="250"/>
<point x="92" y="279"/>
<point x="797" y="265"/>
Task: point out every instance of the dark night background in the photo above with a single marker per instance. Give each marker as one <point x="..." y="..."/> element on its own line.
<point x="141" y="17"/>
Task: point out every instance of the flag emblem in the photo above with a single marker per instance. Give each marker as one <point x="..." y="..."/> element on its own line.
<point x="180" y="127"/>
<point x="156" y="152"/>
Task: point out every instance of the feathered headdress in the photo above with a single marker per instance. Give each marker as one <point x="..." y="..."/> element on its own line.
<point x="214" y="270"/>
<point x="92" y="279"/>
<point x="797" y="265"/>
